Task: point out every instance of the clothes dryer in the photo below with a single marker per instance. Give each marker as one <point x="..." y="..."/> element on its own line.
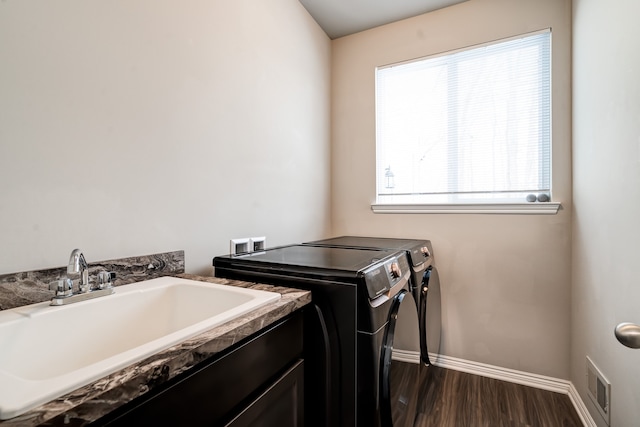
<point x="357" y="296"/>
<point x="425" y="282"/>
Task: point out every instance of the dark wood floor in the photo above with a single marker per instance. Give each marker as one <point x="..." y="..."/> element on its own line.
<point x="447" y="398"/>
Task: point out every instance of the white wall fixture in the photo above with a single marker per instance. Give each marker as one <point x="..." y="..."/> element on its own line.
<point x="247" y="245"/>
<point x="257" y="244"/>
<point x="599" y="390"/>
<point x="239" y="246"/>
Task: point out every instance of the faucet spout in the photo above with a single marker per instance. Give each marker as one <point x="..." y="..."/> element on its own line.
<point x="78" y="265"/>
<point x="64" y="287"/>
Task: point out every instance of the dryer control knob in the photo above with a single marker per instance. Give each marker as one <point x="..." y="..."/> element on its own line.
<point x="425" y="251"/>
<point x="395" y="270"/>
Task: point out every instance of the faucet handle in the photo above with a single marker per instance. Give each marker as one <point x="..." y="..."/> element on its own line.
<point x="83" y="286"/>
<point x="105" y="279"/>
<point x="63" y="287"/>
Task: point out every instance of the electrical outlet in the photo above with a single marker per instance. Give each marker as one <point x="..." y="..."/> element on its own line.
<point x="258" y="243"/>
<point x="240" y="246"/>
<point x="599" y="390"/>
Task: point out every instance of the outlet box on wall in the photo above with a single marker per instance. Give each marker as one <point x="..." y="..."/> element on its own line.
<point x="247" y="245"/>
<point x="258" y="244"/>
<point x="239" y="246"/>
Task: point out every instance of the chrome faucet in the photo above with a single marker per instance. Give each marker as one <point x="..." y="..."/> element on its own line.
<point x="78" y="265"/>
<point x="64" y="287"/>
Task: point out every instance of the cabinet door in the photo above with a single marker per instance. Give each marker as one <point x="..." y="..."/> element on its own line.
<point x="211" y="393"/>
<point x="282" y="404"/>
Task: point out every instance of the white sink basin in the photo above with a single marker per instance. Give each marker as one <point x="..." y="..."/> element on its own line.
<point x="48" y="351"/>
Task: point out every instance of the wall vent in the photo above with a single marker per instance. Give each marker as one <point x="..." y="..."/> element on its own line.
<point x="599" y="390"/>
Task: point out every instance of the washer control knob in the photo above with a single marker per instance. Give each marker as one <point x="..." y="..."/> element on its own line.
<point x="425" y="251"/>
<point x="395" y="270"/>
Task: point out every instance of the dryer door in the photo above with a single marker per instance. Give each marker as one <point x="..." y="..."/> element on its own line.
<point x="400" y="363"/>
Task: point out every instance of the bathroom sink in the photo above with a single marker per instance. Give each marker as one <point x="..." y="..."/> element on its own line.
<point x="47" y="351"/>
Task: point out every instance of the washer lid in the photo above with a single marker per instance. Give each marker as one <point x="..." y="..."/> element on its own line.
<point x="310" y="261"/>
<point x="419" y="251"/>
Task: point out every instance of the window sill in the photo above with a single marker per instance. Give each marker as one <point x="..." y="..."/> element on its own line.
<point x="538" y="208"/>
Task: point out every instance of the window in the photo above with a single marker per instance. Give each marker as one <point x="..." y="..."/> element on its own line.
<point x="470" y="126"/>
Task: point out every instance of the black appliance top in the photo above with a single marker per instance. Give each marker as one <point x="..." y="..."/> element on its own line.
<point x="306" y="265"/>
<point x="419" y="250"/>
<point x="324" y="258"/>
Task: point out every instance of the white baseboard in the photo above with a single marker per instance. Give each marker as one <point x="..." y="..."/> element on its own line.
<point x="504" y="374"/>
<point x="581" y="409"/>
<point x="405" y="356"/>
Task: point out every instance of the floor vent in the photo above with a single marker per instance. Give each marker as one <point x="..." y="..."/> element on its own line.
<point x="599" y="390"/>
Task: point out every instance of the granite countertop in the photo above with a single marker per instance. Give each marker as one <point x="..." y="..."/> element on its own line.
<point x="92" y="401"/>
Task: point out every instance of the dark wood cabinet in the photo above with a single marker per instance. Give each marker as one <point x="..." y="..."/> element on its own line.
<point x="258" y="381"/>
<point x="280" y="405"/>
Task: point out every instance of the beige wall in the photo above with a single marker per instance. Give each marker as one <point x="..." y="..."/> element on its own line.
<point x="606" y="270"/>
<point x="505" y="278"/>
<point x="129" y="128"/>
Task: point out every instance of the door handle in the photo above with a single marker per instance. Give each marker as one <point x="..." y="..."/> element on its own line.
<point x="628" y="334"/>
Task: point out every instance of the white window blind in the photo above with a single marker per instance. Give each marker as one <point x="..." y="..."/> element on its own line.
<point x="471" y="126"/>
